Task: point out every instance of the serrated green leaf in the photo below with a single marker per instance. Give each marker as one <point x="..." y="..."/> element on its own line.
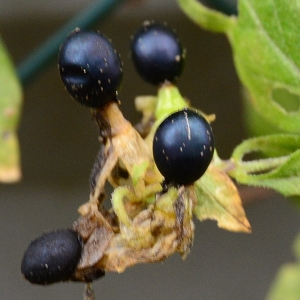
<point x="10" y="104"/>
<point x="265" y="42"/>
<point x="266" y="55"/>
<point x="279" y="171"/>
<point x="218" y="199"/>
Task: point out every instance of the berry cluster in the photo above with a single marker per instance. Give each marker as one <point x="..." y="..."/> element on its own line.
<point x="183" y="143"/>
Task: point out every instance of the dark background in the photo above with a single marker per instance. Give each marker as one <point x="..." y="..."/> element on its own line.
<point x="59" y="144"/>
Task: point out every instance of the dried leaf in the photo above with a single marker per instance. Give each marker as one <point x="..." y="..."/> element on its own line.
<point x="218" y="199"/>
<point x="124" y="151"/>
<point x="155" y="233"/>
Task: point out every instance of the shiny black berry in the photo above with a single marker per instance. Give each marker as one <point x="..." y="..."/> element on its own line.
<point x="52" y="257"/>
<point x="157" y="53"/>
<point x="183" y="147"/>
<point x="90" y="68"/>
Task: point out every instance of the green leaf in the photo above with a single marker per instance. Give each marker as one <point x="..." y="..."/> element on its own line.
<point x="255" y="123"/>
<point x="266" y="55"/>
<point x="265" y="43"/>
<point x="280" y="170"/>
<point x="287" y="283"/>
<point x="205" y="17"/>
<point x="218" y="199"/>
<point x="10" y="104"/>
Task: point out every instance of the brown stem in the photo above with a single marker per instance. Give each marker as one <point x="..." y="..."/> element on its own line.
<point x="88" y="293"/>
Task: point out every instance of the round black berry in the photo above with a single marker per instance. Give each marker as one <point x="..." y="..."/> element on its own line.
<point x="52" y="257"/>
<point x="90" y="68"/>
<point x="157" y="53"/>
<point x="183" y="147"/>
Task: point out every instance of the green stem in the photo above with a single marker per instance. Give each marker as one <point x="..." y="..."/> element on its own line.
<point x="88" y="293"/>
<point x="233" y="167"/>
<point x="262" y="165"/>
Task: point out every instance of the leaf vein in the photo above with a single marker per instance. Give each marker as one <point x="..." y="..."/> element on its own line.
<point x="284" y="57"/>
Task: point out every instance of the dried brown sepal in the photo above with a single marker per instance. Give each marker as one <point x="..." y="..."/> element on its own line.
<point x="156" y="232"/>
<point x="123" y="150"/>
<point x="96" y="228"/>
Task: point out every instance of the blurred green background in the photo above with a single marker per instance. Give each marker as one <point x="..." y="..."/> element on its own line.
<point x="59" y="145"/>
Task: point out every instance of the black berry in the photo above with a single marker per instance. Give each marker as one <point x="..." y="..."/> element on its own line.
<point x="157" y="53"/>
<point x="90" y="68"/>
<point x="183" y="147"/>
<point x="52" y="257"/>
